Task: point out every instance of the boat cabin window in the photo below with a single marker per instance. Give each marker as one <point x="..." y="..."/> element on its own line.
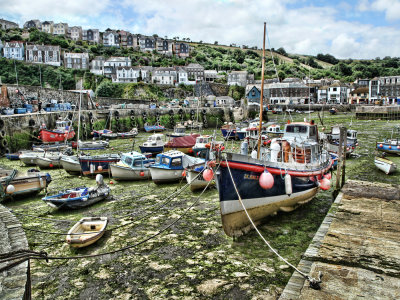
<point x="158" y="138"/>
<point x="165" y="160"/>
<point x="176" y="162"/>
<point x="137" y="163"/>
<point x="296" y="129"/>
<point x="313" y="131"/>
<point x="128" y="160"/>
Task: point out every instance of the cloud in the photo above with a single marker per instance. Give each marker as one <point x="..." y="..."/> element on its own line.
<point x="299" y="27"/>
<point x="391" y="8"/>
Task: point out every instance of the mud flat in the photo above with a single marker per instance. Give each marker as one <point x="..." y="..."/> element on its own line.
<point x="357" y="247"/>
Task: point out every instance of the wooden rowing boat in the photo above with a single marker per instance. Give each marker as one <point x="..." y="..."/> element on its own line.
<point x="87" y="231"/>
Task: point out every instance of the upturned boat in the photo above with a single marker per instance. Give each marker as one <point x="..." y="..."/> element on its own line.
<point x="294" y="166"/>
<point x="79" y="197"/>
<point x="333" y="111"/>
<point x="62" y="132"/>
<point x="87" y="231"/>
<point x="49" y="160"/>
<point x="169" y="166"/>
<point x="182" y="143"/>
<point x="97" y="164"/>
<point x="14" y="184"/>
<point x="153" y="128"/>
<point x="132" y="166"/>
<point x="385" y="165"/>
<point x="154" y="144"/>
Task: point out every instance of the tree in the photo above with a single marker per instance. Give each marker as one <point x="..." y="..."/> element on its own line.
<point x="282" y="51"/>
<point x="216" y="43"/>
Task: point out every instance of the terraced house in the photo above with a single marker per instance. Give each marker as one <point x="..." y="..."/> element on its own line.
<point x="92" y="36"/>
<point x="4" y="24"/>
<point x="43" y="54"/>
<point x="75" y="32"/>
<point x="14" y="50"/>
<point x="60" y="29"/>
<point x="126" y="74"/>
<point x="33" y="24"/>
<point x="165" y="76"/>
<point x="111" y="38"/>
<point x="48" y="27"/>
<point x="76" y="60"/>
<point x="111" y="64"/>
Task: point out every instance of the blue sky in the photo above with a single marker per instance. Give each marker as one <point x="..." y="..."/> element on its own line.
<point x="346" y="29"/>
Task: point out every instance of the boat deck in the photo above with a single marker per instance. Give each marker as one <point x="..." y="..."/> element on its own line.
<point x="357" y="247"/>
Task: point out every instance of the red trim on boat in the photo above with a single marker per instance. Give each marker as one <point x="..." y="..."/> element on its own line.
<point x="274" y="171"/>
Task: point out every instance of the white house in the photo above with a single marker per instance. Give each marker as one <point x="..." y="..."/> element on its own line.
<point x="164" y="76"/>
<point x="43" y="54"/>
<point x="75" y="33"/>
<point x="112" y="63"/>
<point x="322" y="94"/>
<point x="126" y="74"/>
<point x="111" y="39"/>
<point x="338" y="94"/>
<point x="145" y="72"/>
<point x="97" y="65"/>
<point x="76" y="60"/>
<point x="14" y="50"/>
<point x="182" y="76"/>
<point x="60" y="29"/>
<point x="91" y="35"/>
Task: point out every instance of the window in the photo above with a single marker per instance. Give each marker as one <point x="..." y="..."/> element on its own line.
<point x="296" y="129"/>
<point x="176" y="162"/>
<point x="165" y="160"/>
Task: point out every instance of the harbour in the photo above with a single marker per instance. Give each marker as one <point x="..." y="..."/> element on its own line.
<point x="195" y="251"/>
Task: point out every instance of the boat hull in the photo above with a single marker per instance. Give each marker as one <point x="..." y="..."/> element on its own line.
<point x="161" y="175"/>
<point x="154" y="150"/>
<point x="228" y="134"/>
<point x="155" y="128"/>
<point x="385" y="165"/>
<point x="389" y="148"/>
<point x="93" y="166"/>
<point x="186" y="150"/>
<point x="44" y="162"/>
<point x="71" y="166"/>
<point x="48" y="136"/>
<point x="196" y="183"/>
<point x="125" y="173"/>
<point x="25" y="185"/>
<point x="258" y="201"/>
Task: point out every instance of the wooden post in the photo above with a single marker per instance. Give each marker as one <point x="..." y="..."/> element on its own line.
<point x="339" y="164"/>
<point x="344" y="156"/>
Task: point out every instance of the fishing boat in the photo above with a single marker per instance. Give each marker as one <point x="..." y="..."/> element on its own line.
<point x="332" y="139"/>
<point x="274" y="130"/>
<point x="391" y="146"/>
<point x="183" y="143"/>
<point x="385" y="165"/>
<point x="71" y="164"/>
<point x="169" y="166"/>
<point x="109" y="135"/>
<point x="87" y="231"/>
<point x="90" y="145"/>
<point x="153" y="128"/>
<point x="194" y="177"/>
<point x="179" y="130"/>
<point x="333" y="111"/>
<point x="253" y="133"/>
<point x="154" y="144"/>
<point x="132" y="166"/>
<point x="228" y="131"/>
<point x="99" y="133"/>
<point x="127" y="135"/>
<point x="200" y="147"/>
<point x="97" y="164"/>
<point x="62" y="132"/>
<point x="13" y="184"/>
<point x="281" y="177"/>
<point x="79" y="197"/>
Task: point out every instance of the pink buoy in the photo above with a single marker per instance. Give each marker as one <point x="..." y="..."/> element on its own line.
<point x="380" y="145"/>
<point x="328" y="176"/>
<point x="390" y="147"/>
<point x="325" y="184"/>
<point x="141" y="174"/>
<point x="100" y="168"/>
<point x="208" y="174"/>
<point x="184" y="173"/>
<point x="266" y="180"/>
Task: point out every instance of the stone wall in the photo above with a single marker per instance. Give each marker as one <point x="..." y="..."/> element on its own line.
<point x="12" y="238"/>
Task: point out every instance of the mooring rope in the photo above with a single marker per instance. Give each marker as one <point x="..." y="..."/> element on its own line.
<point x="314" y="283"/>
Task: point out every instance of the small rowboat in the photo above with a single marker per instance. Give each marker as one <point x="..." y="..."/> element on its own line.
<point x="87" y="231"/>
<point x="385" y="165"/>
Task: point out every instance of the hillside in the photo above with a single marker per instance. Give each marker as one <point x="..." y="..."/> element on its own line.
<point x="211" y="56"/>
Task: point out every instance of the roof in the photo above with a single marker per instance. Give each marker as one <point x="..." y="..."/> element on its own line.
<point x="134" y="154"/>
<point x="172" y="153"/>
<point x="183" y="141"/>
<point x="193" y="65"/>
<point x="43" y="47"/>
<point x="360" y="90"/>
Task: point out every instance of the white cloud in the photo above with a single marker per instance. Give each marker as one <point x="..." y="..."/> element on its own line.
<point x="391" y="8"/>
<point x="305" y="30"/>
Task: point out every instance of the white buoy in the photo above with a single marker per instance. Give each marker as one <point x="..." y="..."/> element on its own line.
<point x="244" y="148"/>
<point x="275" y="149"/>
<point x="10" y="189"/>
<point x="254" y="154"/>
<point x="92" y="168"/>
<point x="41" y="182"/>
<point x="288" y="184"/>
<point x="99" y="179"/>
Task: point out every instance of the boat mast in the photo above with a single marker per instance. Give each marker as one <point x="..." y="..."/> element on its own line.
<point x="261" y="94"/>
<point x="79" y="121"/>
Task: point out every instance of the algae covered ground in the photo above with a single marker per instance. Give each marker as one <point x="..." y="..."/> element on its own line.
<point x="191" y="259"/>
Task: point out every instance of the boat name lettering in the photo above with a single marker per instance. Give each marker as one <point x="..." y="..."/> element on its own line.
<point x="251" y="177"/>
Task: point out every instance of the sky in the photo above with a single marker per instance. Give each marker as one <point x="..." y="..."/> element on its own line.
<point x="358" y="29"/>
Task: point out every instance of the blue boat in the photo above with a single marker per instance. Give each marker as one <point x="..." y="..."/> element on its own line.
<point x="12" y="156"/>
<point x="154" y="144"/>
<point x="391" y="146"/>
<point x="153" y="128"/>
<point x="7" y="111"/>
<point x="97" y="164"/>
<point x="20" y="110"/>
<point x="229" y="131"/>
<point x="99" y="133"/>
<point x="132" y="166"/>
<point x="79" y="197"/>
<point x="169" y="166"/>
